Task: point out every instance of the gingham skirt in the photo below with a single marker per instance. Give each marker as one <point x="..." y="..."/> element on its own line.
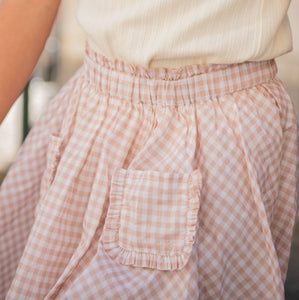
<point x="154" y="184"/>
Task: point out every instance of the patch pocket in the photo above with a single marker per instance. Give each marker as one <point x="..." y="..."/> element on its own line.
<point x="53" y="157"/>
<point x="152" y="217"/>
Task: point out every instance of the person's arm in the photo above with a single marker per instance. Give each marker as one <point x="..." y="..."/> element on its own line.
<point x="24" y="28"/>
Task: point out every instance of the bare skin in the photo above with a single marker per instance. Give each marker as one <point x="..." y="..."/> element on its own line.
<point x="24" y="28"/>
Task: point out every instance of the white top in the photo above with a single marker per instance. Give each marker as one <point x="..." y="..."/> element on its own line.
<point x="172" y="33"/>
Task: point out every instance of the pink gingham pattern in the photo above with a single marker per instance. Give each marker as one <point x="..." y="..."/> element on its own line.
<point x="154" y="184"/>
<point x="157" y="231"/>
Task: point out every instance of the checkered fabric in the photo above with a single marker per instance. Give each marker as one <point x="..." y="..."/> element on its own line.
<point x="154" y="184"/>
<point x="158" y="231"/>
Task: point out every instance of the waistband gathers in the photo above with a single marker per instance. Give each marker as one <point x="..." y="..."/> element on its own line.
<point x="173" y="86"/>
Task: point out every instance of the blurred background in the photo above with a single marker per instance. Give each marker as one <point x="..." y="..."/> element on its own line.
<point x="63" y="55"/>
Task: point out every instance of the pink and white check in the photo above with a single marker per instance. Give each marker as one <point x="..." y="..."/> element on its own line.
<point x="154" y="184"/>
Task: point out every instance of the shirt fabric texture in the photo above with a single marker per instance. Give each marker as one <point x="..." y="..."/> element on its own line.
<point x="174" y="33"/>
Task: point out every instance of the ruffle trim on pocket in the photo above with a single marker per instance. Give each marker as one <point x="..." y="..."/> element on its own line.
<point x="173" y="260"/>
<point x="147" y="260"/>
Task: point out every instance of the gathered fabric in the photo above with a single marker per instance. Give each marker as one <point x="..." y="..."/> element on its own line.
<point x="162" y="183"/>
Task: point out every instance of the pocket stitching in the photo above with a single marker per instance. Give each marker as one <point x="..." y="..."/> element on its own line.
<point x="53" y="155"/>
<point x="171" y="260"/>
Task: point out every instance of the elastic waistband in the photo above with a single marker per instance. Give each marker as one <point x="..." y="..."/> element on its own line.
<point x="173" y="86"/>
